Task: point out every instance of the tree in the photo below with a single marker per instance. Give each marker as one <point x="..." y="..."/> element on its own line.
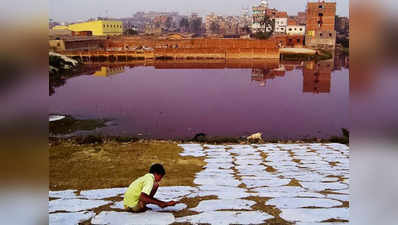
<point x="267" y="22"/>
<point x="130" y="31"/>
<point x="246" y="29"/>
<point x="184" y="23"/>
<point x="169" y="22"/>
<point x="262" y="35"/>
<point x="196" y="25"/>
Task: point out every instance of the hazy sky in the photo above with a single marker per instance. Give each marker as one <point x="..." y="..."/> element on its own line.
<point x="73" y="10"/>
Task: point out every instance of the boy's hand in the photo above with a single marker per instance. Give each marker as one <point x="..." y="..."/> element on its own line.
<point x="171" y="203"/>
<point x="164" y="204"/>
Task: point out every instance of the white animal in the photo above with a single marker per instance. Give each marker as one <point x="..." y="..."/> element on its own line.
<point x="256" y="136"/>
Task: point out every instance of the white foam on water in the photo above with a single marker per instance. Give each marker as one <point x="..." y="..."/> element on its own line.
<point x="215" y="171"/>
<point x="212" y="205"/>
<point x="275" y="192"/>
<point x="304" y="176"/>
<point x="194" y="154"/>
<point x="320" y="186"/>
<point x="102" y="193"/>
<point x="310" y="195"/>
<point x="272" y="182"/>
<point x="175" y="193"/>
<point x="217" y="180"/>
<point x="218" y="154"/>
<point x="222" y="192"/>
<point x="330" y="179"/>
<point x="219" y="166"/>
<point x="74" y="205"/>
<point x="53" y="118"/>
<point x="339" y="197"/>
<point x="248" y="161"/>
<point x="322" y="223"/>
<point x="219" y="160"/>
<point x="66" y="194"/>
<point x="214" y="147"/>
<point x="176" y="208"/>
<point x="226" y="218"/>
<point x="314" y="215"/>
<point x="194" y="150"/>
<point x="69" y="218"/>
<point x="118" y="205"/>
<point x="288" y="203"/>
<point x="127" y="218"/>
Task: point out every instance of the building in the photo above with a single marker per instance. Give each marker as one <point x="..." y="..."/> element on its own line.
<point x="317" y="76"/>
<point x="96" y="27"/>
<point x="342" y="25"/>
<point x="320" y="24"/>
<point x="77" y="43"/>
<point x="301" y="18"/>
<point x="259" y="13"/>
<point x="245" y="21"/>
<point x="106" y="71"/>
<point x="280" y="19"/>
<point x="294" y="29"/>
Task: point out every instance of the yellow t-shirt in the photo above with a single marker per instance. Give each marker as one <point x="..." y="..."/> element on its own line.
<point x="143" y="184"/>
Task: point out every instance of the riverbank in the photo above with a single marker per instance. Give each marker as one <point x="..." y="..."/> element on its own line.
<point x="236" y="180"/>
<point x="98" y="162"/>
<point x="115" y="163"/>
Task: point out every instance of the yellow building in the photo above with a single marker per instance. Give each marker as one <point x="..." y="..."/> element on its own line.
<point x="97" y="27"/>
<point x="107" y="71"/>
<point x="60" y="27"/>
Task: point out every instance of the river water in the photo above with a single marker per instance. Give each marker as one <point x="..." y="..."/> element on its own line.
<point x="282" y="100"/>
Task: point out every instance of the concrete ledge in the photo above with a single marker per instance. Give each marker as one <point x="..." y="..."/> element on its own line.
<point x="304" y="51"/>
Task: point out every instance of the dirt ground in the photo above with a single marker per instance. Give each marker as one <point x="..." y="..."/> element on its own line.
<point x="114" y="164"/>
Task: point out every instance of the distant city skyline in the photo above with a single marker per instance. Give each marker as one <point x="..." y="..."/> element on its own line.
<point x="75" y="10"/>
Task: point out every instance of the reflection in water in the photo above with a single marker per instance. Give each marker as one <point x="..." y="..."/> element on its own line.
<point x="178" y="99"/>
<point x="317" y="76"/>
<point x="109" y="70"/>
<point x="261" y="75"/>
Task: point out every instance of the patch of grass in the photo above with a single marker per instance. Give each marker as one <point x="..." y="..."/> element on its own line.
<point x="270" y="169"/>
<point x="203" y="138"/>
<point x="297" y="57"/>
<point x="112" y="164"/>
<point x="294" y="183"/>
<point x="345" y="139"/>
<point x="270" y="209"/>
<point x="69" y="125"/>
<point x="335" y="221"/>
<point x="333" y="164"/>
<point x="164" y="58"/>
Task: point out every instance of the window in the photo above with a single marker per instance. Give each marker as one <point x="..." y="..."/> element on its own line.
<point x="321" y="6"/>
<point x="330" y="34"/>
<point x="298" y="40"/>
<point x="320" y="14"/>
<point x="301" y="29"/>
<point x="295" y="29"/>
<point x="290" y="29"/>
<point x="320" y="34"/>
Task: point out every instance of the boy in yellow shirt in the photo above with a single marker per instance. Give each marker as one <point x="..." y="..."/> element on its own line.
<point x="142" y="191"/>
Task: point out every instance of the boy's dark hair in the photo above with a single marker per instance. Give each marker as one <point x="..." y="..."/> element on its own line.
<point x="158" y="169"/>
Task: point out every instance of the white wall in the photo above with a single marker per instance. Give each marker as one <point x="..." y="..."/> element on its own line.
<point x="280" y="25"/>
<point x="295" y="30"/>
